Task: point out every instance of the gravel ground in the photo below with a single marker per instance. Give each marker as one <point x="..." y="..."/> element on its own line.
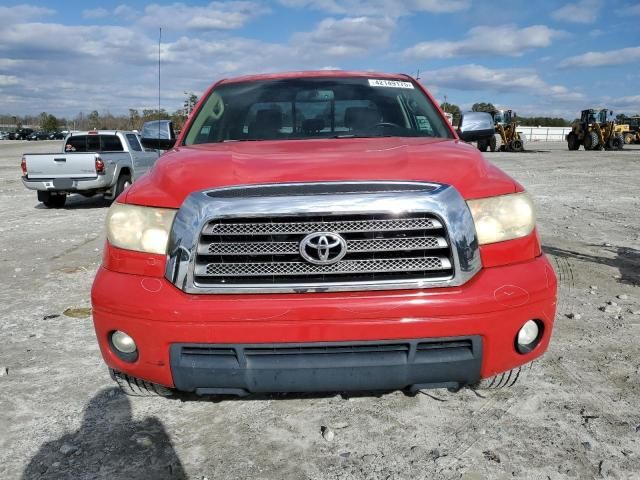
<point x="577" y="414"/>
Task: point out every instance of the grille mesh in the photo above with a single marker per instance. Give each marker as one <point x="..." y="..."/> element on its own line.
<point x="269" y="228"/>
<point x="266" y="250"/>
<point x="300" y="268"/>
<point x="281" y="248"/>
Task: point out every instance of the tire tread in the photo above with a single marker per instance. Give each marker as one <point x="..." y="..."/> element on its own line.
<point x="501" y="380"/>
<point x="136" y="387"/>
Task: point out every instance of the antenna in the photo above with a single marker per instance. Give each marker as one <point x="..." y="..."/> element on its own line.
<point x="418" y="75"/>
<point x="159" y="42"/>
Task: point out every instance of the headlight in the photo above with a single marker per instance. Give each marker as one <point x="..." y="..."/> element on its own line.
<point x="503" y="218"/>
<point x="144" y="229"/>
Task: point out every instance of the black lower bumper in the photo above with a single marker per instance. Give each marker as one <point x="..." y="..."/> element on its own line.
<point x="326" y="367"/>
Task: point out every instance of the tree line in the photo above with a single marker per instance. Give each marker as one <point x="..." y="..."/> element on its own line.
<point x="105" y="120"/>
<point x="96" y="120"/>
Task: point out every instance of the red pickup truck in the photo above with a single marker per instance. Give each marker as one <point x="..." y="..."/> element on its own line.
<point x="320" y="231"/>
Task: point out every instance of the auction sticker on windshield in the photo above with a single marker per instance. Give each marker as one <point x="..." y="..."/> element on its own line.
<point x="389" y="83"/>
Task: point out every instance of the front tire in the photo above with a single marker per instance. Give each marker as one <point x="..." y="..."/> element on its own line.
<point x="590" y="141"/>
<point x="618" y="142"/>
<point x="483" y="145"/>
<point x="136" y="387"/>
<point x="492" y="143"/>
<point x="517" y="145"/>
<point x="572" y="141"/>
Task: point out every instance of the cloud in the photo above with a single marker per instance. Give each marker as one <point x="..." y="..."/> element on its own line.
<point x="345" y="37"/>
<point x="22" y="13"/>
<point x="603" y="59"/>
<point x="629" y="104"/>
<point x="114" y="67"/>
<point x="95" y="13"/>
<point x="215" y="16"/>
<point x="504" y="40"/>
<point x="126" y="12"/>
<point x="8" y="80"/>
<point x="103" y="42"/>
<point x="582" y="11"/>
<point x="376" y="7"/>
<point x="479" y="78"/>
<point x="633" y="10"/>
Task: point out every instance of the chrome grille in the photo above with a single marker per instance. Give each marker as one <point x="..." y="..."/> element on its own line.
<point x="302" y="268"/>
<point x="269" y="228"/>
<point x="265" y="250"/>
<point x="271" y="248"/>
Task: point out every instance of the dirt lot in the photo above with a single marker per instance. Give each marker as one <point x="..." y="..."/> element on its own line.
<point x="577" y="415"/>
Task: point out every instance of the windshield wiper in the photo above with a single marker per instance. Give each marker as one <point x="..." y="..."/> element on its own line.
<point x="351" y="135"/>
<point x="243" y="140"/>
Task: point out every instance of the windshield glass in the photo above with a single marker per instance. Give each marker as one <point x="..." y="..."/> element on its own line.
<point x="293" y="109"/>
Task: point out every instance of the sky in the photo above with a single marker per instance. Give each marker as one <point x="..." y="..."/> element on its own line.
<point x="548" y="58"/>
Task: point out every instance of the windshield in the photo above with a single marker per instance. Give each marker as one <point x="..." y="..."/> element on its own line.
<point x="294" y="109"/>
<point x="502" y="117"/>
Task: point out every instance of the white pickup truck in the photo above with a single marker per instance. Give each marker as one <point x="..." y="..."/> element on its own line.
<point x="92" y="162"/>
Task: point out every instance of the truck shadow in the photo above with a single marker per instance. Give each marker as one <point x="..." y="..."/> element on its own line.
<point x="626" y="260"/>
<point x="108" y="444"/>
<point x="78" y="202"/>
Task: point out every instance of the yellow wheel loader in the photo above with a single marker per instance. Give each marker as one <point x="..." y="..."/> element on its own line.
<point x="596" y="130"/>
<point x="631" y="130"/>
<point x="506" y="125"/>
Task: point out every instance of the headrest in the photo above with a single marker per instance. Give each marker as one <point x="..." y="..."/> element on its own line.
<point x="361" y="117"/>
<point x="312" y="125"/>
<point x="271" y="117"/>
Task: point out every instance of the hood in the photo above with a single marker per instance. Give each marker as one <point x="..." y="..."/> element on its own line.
<point x="184" y="170"/>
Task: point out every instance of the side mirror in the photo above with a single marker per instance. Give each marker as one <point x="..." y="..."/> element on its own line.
<point x="158" y="135"/>
<point x="476" y="125"/>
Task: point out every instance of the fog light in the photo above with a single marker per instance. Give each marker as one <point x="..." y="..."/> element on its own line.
<point x="123" y="342"/>
<point x="529" y="336"/>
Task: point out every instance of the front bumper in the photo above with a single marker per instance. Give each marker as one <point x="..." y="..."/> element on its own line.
<point x="322" y="366"/>
<point x="489" y="310"/>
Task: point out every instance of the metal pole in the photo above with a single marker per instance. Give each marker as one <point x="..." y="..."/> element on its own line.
<point x="159" y="42"/>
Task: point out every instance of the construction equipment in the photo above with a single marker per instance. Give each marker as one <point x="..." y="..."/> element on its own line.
<point x="595" y="130"/>
<point x="630" y="129"/>
<point x="506" y="127"/>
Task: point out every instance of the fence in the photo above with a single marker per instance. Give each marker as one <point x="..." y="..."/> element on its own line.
<point x="544" y="134"/>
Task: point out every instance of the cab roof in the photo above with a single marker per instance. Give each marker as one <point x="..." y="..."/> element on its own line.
<point x="316" y="74"/>
<point x="98" y="132"/>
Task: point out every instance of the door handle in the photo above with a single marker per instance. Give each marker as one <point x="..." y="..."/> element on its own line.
<point x="60" y="159"/>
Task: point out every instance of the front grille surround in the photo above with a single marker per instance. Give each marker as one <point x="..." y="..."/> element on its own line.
<point x="229" y="238"/>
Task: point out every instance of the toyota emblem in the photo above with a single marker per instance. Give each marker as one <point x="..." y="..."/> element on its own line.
<point x="323" y="248"/>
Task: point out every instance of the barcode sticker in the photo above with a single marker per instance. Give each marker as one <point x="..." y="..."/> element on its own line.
<point x="374" y="82"/>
